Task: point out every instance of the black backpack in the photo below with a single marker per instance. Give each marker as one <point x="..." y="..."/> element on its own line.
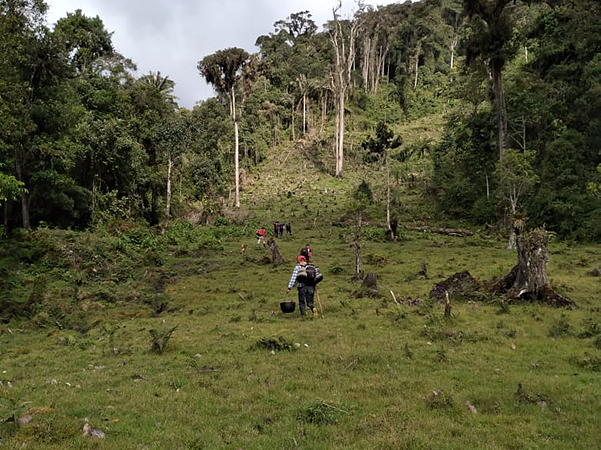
<point x="314" y="276"/>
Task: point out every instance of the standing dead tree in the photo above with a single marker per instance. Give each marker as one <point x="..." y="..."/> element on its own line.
<point x="343" y="35"/>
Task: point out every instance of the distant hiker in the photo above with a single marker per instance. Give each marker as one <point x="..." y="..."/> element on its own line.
<point x="306" y="276"/>
<point x="288" y="228"/>
<point x="275" y="228"/>
<point x="306" y="252"/>
<point x="280" y="229"/>
<point x="261" y="236"/>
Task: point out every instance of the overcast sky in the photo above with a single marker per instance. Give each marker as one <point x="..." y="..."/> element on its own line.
<point x="171" y="36"/>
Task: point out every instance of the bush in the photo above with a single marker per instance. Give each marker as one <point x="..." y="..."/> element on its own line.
<point x="561" y="327"/>
<point x="275" y="344"/>
<point x="181" y="233"/>
<point x="319" y="412"/>
<point x="336" y="268"/>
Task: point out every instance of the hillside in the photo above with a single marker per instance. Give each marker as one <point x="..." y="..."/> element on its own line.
<point x="137" y="310"/>
<point x="238" y="373"/>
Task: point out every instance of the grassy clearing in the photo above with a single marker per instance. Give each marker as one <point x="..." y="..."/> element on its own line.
<point x="362" y="377"/>
<point x="237" y="373"/>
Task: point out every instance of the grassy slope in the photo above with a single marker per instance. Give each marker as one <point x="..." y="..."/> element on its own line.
<point x="352" y="385"/>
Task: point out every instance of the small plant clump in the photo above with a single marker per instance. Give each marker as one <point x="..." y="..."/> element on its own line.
<point x="11" y="410"/>
<point x="588" y="362"/>
<point x="561" y="327"/>
<point x="319" y="412"/>
<point x="276" y="344"/>
<point x="439" y="399"/>
<point x="160" y="337"/>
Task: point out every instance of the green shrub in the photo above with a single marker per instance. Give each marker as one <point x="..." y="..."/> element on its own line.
<point x="561" y="327"/>
<point x="275" y="344"/>
<point x="319" y="412"/>
<point x="336" y="268"/>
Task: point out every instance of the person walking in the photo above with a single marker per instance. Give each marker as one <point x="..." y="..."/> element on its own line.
<point x="261" y="236"/>
<point x="306" y="276"/>
<point x="306" y="252"/>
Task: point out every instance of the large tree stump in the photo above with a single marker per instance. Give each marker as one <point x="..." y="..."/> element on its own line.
<point x="369" y="287"/>
<point x="531" y="281"/>
<point x="370" y="281"/>
<point x="275" y="253"/>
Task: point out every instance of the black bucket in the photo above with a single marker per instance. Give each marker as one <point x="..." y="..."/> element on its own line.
<point x="287" y="307"/>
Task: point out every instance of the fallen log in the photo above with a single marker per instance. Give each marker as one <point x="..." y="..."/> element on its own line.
<point x="459" y="232"/>
<point x="460" y="284"/>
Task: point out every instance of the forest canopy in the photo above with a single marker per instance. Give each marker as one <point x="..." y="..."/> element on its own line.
<point x="84" y="140"/>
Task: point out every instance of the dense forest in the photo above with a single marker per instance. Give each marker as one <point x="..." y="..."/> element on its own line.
<point x="83" y="140"/>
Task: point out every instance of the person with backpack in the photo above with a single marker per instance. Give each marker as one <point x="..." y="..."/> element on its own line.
<point x="306" y="252"/>
<point x="261" y="236"/>
<point x="306" y="276"/>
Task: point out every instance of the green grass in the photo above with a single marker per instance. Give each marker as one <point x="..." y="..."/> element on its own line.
<point x="351" y="386"/>
<point x="238" y="373"/>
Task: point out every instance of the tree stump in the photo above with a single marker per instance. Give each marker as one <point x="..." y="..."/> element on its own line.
<point x="370" y="281"/>
<point x="276" y="257"/>
<point x="531" y="281"/>
<point x="369" y="287"/>
<point x="447" y="306"/>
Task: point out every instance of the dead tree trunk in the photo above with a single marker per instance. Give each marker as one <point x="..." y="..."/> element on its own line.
<point x="531" y="281"/>
<point x="447" y="306"/>
<point x="357" y="247"/>
<point x="533" y="256"/>
<point x="275" y="253"/>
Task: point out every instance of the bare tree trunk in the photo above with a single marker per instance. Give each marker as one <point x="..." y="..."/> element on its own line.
<point x="453" y="45"/>
<point x="340" y="149"/>
<point x="357" y="248"/>
<point x="388" y="195"/>
<point x="323" y="110"/>
<point x="25" y="196"/>
<point x="512" y="244"/>
<point x="168" y="200"/>
<point x="366" y="62"/>
<point x="304" y="113"/>
<point x="94" y="187"/>
<point x="416" y="70"/>
<point x="6" y="217"/>
<point x="343" y="42"/>
<point x="236" y="146"/>
<point x="497" y="78"/>
<point x="293" y="137"/>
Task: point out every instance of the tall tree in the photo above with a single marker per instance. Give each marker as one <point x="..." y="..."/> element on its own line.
<point x="173" y="137"/>
<point x="84" y="38"/>
<point x="378" y="148"/>
<point x="223" y="69"/>
<point x="492" y="31"/>
<point x="343" y="35"/>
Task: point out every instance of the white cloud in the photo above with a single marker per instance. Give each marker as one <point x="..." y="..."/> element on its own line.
<point x="172" y="36"/>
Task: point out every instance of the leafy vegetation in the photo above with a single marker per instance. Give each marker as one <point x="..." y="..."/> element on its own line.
<point x="129" y="229"/>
